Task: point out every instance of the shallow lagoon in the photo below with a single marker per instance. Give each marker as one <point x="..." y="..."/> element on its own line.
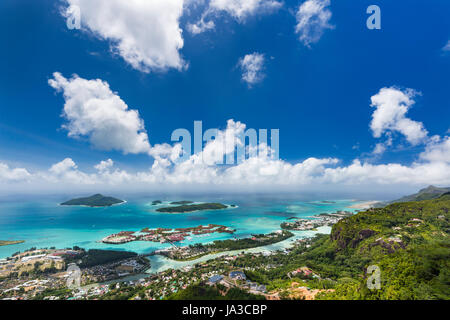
<point x="44" y="223"/>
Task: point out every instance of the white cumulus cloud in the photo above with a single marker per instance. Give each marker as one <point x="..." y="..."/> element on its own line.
<point x="9" y="175"/>
<point x="437" y="150"/>
<point x="201" y="25"/>
<point x="64" y="172"/>
<point x="145" y="33"/>
<point x="92" y="110"/>
<point x="391" y="106"/>
<point x="238" y="9"/>
<point x="379" y="149"/>
<point x="64" y="166"/>
<point x="252" y="66"/>
<point x="104" y="165"/>
<point x="313" y="18"/>
<point x="446" y="48"/>
<point x="241" y="9"/>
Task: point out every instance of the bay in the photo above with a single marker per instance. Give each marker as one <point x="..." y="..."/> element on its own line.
<point x="42" y="222"/>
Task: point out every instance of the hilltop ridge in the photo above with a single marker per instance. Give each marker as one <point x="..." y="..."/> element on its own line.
<point x="428" y="193"/>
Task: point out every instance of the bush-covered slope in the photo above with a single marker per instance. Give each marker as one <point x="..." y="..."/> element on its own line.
<point x="408" y="241"/>
<point x="204" y="292"/>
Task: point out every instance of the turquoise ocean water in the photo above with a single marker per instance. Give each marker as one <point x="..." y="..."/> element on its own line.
<point x="44" y="223"/>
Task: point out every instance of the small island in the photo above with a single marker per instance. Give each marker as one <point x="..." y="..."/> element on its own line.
<point x="8" y="243"/>
<point x="192" y="207"/>
<point x="96" y="200"/>
<point x="182" y="202"/>
<point x="156" y="202"/>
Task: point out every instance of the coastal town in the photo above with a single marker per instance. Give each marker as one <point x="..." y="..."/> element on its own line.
<point x="37" y="271"/>
<point x="323" y="219"/>
<point x="106" y="281"/>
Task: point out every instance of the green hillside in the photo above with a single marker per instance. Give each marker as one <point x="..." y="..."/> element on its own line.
<point x="199" y="292"/>
<point x="408" y="241"/>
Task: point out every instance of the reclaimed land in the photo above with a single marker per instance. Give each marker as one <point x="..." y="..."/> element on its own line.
<point x="165" y="234"/>
<point x="198" y="250"/>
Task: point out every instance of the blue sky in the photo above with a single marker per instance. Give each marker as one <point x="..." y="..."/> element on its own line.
<point x="318" y="96"/>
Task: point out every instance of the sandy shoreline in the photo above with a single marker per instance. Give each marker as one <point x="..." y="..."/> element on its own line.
<point x="363" y="205"/>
